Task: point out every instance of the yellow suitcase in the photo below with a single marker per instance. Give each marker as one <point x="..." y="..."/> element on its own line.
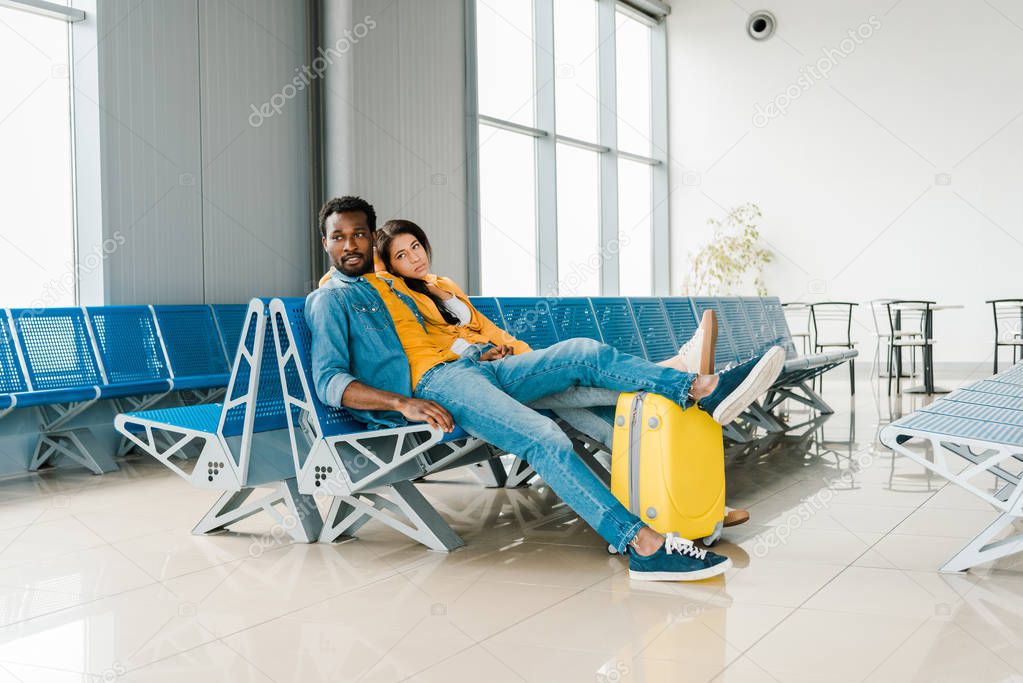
<point x="668" y="466"/>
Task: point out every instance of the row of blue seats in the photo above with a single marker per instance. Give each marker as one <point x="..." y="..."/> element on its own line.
<point x="273" y="432"/>
<point x="650" y="327"/>
<point x="654" y="328"/>
<point x="69" y="358"/>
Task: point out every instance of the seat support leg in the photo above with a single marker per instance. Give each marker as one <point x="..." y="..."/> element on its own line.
<point x="490" y="472"/>
<point x="301" y="520"/>
<point x="982" y="549"/>
<point x="79" y="445"/>
<point x="520" y="473"/>
<point x="816" y="400"/>
<point x="422" y="522"/>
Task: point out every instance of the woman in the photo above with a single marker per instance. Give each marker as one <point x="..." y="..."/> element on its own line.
<point x="403" y="250"/>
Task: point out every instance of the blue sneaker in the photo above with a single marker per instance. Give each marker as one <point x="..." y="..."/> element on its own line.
<point x="677" y="560"/>
<point x="739" y="386"/>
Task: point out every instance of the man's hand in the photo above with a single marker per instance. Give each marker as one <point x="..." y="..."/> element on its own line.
<point x="420" y="410"/>
<point x="497" y="352"/>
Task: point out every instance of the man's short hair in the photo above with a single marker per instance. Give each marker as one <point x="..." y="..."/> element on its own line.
<point x="347" y="204"/>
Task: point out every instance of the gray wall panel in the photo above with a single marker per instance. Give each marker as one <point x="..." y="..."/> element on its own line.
<point x="210" y="207"/>
<point x="149" y="128"/>
<point x="395" y="117"/>
<point x="255" y="177"/>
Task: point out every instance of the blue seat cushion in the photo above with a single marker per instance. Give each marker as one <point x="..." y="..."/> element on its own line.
<point x="456" y="435"/>
<point x="201" y="382"/>
<point x="200" y="418"/>
<point x="47" y="397"/>
<point x="121" y="389"/>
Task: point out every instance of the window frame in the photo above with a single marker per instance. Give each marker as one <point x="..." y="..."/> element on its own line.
<point x="546" y="140"/>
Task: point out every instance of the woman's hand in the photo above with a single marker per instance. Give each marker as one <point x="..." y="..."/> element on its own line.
<point x="497" y="352"/>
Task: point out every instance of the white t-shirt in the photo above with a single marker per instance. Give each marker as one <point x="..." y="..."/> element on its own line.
<point x="457" y="308"/>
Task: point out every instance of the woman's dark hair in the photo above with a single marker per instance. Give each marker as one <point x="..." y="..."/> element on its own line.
<point x="387" y="232"/>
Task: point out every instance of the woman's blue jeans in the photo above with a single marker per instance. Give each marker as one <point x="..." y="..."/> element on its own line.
<point x="487" y="400"/>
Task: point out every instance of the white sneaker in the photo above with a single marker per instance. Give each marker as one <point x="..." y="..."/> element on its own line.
<point x="698" y="352"/>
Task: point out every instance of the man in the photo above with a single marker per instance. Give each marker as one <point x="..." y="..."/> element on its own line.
<point x="361" y="323"/>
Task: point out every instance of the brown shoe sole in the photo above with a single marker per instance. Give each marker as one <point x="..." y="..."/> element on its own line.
<point x="709" y="323"/>
<point x="736" y="517"/>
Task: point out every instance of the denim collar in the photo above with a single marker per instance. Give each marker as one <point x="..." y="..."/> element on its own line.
<point x="334" y="272"/>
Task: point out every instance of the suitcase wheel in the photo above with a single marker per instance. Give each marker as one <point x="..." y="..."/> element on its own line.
<point x="715" y="535"/>
<point x="611" y="550"/>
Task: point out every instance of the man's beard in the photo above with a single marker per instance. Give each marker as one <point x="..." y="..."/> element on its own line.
<point x="355" y="270"/>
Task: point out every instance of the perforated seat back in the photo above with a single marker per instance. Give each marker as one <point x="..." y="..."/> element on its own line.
<point x="654" y="329"/>
<point x="681" y="317"/>
<point x="763" y="331"/>
<point x="230" y="319"/>
<point x="529" y="319"/>
<point x="127" y="343"/>
<point x="616" y="324"/>
<point x="269" y="413"/>
<point x="11" y="378"/>
<point x="776" y="318"/>
<point x="191" y="339"/>
<point x="739" y="330"/>
<point x="56" y="347"/>
<point x="487" y="305"/>
<point x="724" y="352"/>
<point x="573" y="318"/>
<point x="333" y="421"/>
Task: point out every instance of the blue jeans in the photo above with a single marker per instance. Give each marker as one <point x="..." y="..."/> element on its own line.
<point x="486" y="399"/>
<point x="588" y="409"/>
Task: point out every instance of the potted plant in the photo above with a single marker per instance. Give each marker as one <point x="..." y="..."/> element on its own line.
<point x="724" y="266"/>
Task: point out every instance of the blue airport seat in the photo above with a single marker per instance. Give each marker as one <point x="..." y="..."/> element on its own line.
<point x="981" y="424"/>
<point x="59" y="355"/>
<point x="129" y="351"/>
<point x="338" y="455"/>
<point x="724" y="351"/>
<point x="12" y="379"/>
<point x="56" y="348"/>
<point x="740" y="332"/>
<point x="230" y="319"/>
<point x="776" y="319"/>
<point x="654" y="330"/>
<point x="65" y="376"/>
<point x="763" y="330"/>
<point x="194" y="349"/>
<point x="529" y="319"/>
<point x="682" y="318"/>
<point x="574" y="318"/>
<point x="244" y="442"/>
<point x="201" y="418"/>
<point x="488" y="306"/>
<point x="617" y="325"/>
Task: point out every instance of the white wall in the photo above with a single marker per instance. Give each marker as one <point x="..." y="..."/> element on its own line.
<point x="395" y="116"/>
<point x="848" y="178"/>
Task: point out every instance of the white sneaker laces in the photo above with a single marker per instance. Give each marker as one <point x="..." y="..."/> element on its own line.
<point x="691" y="344"/>
<point x="683" y="546"/>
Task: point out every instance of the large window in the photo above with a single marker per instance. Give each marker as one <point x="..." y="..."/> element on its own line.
<point x="571" y="148"/>
<point x="37" y="234"/>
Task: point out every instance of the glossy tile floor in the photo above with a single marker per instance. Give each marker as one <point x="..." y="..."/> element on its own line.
<point x="834" y="580"/>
